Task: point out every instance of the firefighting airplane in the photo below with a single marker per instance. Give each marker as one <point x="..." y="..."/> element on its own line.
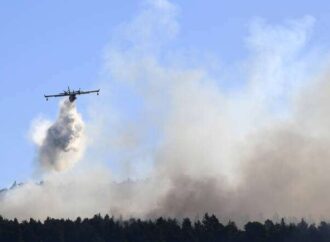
<point x="72" y="94"/>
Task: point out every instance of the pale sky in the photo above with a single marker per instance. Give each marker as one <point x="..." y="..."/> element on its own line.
<point x="46" y="46"/>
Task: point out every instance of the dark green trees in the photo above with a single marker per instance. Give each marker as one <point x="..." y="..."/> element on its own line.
<point x="209" y="229"/>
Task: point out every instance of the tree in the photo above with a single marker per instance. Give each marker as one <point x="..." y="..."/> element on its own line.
<point x="255" y="231"/>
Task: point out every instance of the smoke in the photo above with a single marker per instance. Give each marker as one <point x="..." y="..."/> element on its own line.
<point x="170" y="135"/>
<point x="63" y="142"/>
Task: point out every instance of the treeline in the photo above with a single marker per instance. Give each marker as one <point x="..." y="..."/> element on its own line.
<point x="101" y="229"/>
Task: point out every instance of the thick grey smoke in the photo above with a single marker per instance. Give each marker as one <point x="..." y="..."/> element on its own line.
<point x="63" y="143"/>
<point x="186" y="140"/>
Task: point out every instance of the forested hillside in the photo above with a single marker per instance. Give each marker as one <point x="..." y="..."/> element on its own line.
<point x="99" y="229"/>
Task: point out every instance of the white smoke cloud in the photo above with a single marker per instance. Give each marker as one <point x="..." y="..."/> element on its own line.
<point x="38" y="130"/>
<point x="255" y="151"/>
<point x="63" y="143"/>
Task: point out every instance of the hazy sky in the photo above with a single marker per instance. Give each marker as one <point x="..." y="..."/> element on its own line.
<point x="46" y="46"/>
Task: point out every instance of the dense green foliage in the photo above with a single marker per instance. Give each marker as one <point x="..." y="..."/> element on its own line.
<point x="99" y="229"/>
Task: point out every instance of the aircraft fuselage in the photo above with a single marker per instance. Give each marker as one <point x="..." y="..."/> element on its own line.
<point x="72" y="98"/>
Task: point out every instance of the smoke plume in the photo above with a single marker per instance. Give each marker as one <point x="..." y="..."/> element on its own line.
<point x="171" y="135"/>
<point x="63" y="143"/>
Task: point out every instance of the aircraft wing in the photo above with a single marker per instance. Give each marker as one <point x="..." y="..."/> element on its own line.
<point x="57" y="95"/>
<point x="87" y="92"/>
